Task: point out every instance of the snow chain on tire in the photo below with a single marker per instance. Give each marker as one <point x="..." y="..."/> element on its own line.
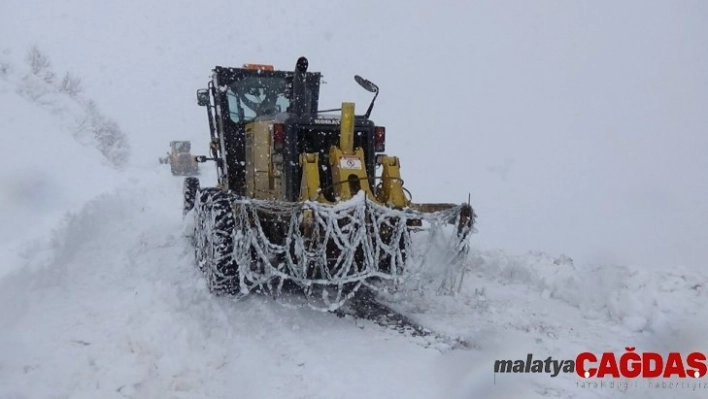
<point x="244" y="244"/>
<point x="214" y="225"/>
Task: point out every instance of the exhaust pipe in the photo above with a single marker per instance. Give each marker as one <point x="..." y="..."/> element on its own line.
<point x="301" y="105"/>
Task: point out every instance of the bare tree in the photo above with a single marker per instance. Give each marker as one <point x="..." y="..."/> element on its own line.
<point x="37" y="61"/>
<point x="71" y="85"/>
<point x="110" y="139"/>
<point x="39" y="64"/>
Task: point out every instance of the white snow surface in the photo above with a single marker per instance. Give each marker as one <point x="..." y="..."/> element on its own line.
<point x="100" y="297"/>
<point x="113" y="307"/>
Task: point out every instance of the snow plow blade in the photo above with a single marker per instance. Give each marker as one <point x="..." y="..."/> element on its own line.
<point x="328" y="251"/>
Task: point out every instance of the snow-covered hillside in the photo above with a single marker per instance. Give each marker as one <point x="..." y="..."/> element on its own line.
<point x="58" y="149"/>
<point x="575" y="126"/>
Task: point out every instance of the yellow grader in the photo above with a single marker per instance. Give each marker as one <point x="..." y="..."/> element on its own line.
<point x="297" y="200"/>
<point x="180" y="159"/>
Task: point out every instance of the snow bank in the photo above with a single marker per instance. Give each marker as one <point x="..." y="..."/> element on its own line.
<point x="57" y="149"/>
<point x="636" y="298"/>
<point x="509" y="305"/>
<point x="555" y="277"/>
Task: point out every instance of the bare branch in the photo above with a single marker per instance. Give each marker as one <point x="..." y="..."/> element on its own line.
<point x="71" y="85"/>
<point x="37" y="61"/>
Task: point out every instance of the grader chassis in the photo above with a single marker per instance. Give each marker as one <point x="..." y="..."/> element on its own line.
<point x="297" y="201"/>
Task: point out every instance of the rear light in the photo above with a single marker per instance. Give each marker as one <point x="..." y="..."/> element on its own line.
<point x="262" y="67"/>
<point x="278" y="136"/>
<point x="379" y="139"/>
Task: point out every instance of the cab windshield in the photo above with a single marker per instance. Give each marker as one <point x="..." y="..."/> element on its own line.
<point x="256" y="96"/>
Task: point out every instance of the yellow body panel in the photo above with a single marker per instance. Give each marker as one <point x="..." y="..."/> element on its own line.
<point x="348" y="173"/>
<point x="310" y="186"/>
<point x="263" y="177"/>
<point x="391" y="193"/>
<point x="346" y="139"/>
<point x="347" y="165"/>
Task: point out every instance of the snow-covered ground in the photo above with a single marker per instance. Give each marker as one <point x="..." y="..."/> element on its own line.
<point x="113" y="306"/>
<point x="99" y="294"/>
<point x="109" y="304"/>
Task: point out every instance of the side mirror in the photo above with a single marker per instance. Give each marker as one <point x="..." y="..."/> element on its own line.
<point x="200" y="159"/>
<point x="366" y="84"/>
<point x="202" y="97"/>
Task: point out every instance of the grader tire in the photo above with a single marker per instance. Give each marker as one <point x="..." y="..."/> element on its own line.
<point x="214" y="225"/>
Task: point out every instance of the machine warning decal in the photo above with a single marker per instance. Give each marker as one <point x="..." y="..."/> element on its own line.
<point x="350" y="163"/>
